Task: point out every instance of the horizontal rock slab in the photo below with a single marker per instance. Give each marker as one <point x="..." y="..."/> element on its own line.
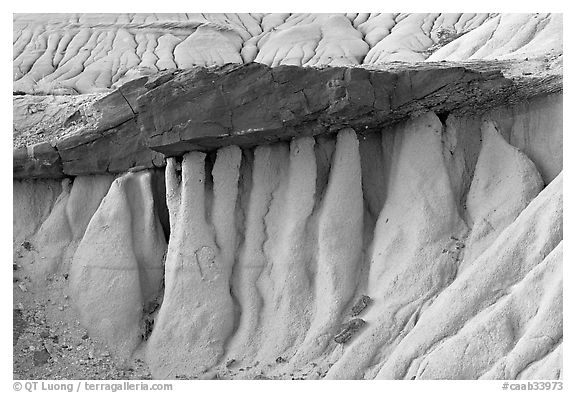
<point x="75" y="135"/>
<point x="37" y="161"/>
<point x="113" y="144"/>
<point x="173" y="112"/>
<point x="205" y="108"/>
<point x="114" y="151"/>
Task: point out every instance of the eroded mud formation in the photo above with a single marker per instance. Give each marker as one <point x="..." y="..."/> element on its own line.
<point x="419" y="238"/>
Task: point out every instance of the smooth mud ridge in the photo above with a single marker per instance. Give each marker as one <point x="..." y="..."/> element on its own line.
<point x="280" y="221"/>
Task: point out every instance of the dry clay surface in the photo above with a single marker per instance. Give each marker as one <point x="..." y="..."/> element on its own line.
<point x="91" y="53"/>
<point x="248" y="263"/>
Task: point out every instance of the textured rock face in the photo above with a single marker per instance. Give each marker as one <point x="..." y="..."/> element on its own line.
<point x="94" y="134"/>
<point x="249" y="104"/>
<point x="246" y="105"/>
<point x="272" y="220"/>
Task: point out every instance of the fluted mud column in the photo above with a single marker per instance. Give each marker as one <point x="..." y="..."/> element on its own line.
<point x="266" y="174"/>
<point x="408" y="267"/>
<point x="117" y="266"/>
<point x="339" y="246"/>
<point x="505" y="182"/>
<point x="287" y="278"/>
<point x="197" y="313"/>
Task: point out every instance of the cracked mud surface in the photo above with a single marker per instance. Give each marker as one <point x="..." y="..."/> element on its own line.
<point x="83" y="53"/>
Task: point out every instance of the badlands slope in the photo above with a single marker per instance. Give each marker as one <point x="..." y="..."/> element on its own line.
<point x="247" y="260"/>
<point x="85" y="53"/>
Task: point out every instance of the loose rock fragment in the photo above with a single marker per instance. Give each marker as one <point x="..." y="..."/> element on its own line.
<point x="41" y="357"/>
<point x="361" y="305"/>
<point x="348" y="330"/>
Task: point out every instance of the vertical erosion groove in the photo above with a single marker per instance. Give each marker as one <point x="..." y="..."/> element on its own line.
<point x="339" y="245"/>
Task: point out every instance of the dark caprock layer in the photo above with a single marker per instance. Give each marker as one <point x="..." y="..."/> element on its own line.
<point x="174" y="112"/>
